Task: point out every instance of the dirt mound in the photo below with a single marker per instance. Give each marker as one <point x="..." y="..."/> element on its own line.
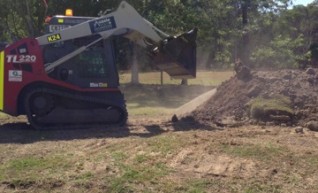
<point x="231" y="103"/>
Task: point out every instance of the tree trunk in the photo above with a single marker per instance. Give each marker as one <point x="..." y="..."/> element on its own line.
<point x="29" y="19"/>
<point x="134" y="68"/>
<point x="243" y="53"/>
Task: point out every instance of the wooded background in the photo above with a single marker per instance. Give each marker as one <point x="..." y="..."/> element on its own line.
<point x="262" y="33"/>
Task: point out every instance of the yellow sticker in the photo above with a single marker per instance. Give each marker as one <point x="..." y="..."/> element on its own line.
<point x="60" y="20"/>
<point x="104" y="85"/>
<point x="54" y="37"/>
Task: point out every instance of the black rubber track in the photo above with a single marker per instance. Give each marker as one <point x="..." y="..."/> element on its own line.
<point x="76" y="98"/>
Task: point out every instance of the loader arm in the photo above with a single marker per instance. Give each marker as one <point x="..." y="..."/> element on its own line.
<point x="124" y="21"/>
<point x="174" y="54"/>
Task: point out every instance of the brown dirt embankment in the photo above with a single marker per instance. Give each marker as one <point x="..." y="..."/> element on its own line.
<point x="229" y="105"/>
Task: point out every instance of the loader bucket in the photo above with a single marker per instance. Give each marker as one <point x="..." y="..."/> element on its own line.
<point x="177" y="55"/>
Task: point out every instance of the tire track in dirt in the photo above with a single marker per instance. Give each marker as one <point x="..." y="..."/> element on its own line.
<point x="203" y="164"/>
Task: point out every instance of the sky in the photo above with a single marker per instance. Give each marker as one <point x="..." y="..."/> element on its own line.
<point x="303" y="2"/>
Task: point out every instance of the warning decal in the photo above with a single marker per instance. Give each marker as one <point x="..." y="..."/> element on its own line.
<point x="15" y="75"/>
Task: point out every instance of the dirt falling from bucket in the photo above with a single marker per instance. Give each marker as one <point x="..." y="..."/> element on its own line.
<point x="187" y="108"/>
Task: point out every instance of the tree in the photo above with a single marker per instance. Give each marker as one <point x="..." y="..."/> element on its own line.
<point x="21" y="19"/>
<point x="252" y="30"/>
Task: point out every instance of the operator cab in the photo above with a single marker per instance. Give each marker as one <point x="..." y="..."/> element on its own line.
<point x="93" y="68"/>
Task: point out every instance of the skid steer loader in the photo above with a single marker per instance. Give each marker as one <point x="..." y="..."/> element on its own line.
<point x="68" y="78"/>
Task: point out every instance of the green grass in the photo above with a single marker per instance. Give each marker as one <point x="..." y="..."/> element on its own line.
<point x="26" y="164"/>
<point x="142" y="110"/>
<point x="312" y="160"/>
<point x="142" y="158"/>
<point x="132" y="174"/>
<point x="263" y="152"/>
<point x="139" y="170"/>
<point x="261" y="108"/>
<point x="85" y="176"/>
<point x="258" y="187"/>
<point x="166" y="144"/>
<point x="33" y="171"/>
<point x="135" y="173"/>
<point x="33" y="166"/>
<point x="197" y="185"/>
<point x="119" y="156"/>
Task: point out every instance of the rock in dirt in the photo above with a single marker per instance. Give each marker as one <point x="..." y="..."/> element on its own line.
<point x="243" y="72"/>
<point x="174" y="118"/>
<point x="310" y="71"/>
<point x="299" y="130"/>
<point x="312" y="125"/>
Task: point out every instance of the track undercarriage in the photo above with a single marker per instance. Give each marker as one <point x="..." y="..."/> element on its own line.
<point x="57" y="109"/>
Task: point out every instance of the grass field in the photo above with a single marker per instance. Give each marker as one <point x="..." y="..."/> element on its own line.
<point x="157" y="100"/>
<point x="151" y="99"/>
<point x="150" y="156"/>
<point x="204" y="78"/>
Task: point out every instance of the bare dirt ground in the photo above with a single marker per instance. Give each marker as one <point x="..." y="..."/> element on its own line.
<point x="153" y="154"/>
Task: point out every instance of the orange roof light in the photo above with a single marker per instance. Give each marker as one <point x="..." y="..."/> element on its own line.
<point x="69" y="12"/>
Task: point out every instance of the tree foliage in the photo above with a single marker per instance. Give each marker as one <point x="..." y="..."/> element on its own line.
<point x="263" y="33"/>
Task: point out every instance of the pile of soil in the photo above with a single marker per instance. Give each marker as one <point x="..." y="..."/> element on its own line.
<point x="229" y="105"/>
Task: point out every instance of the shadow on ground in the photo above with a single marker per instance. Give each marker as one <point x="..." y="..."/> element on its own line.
<point x="23" y="133"/>
<point x="16" y="130"/>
